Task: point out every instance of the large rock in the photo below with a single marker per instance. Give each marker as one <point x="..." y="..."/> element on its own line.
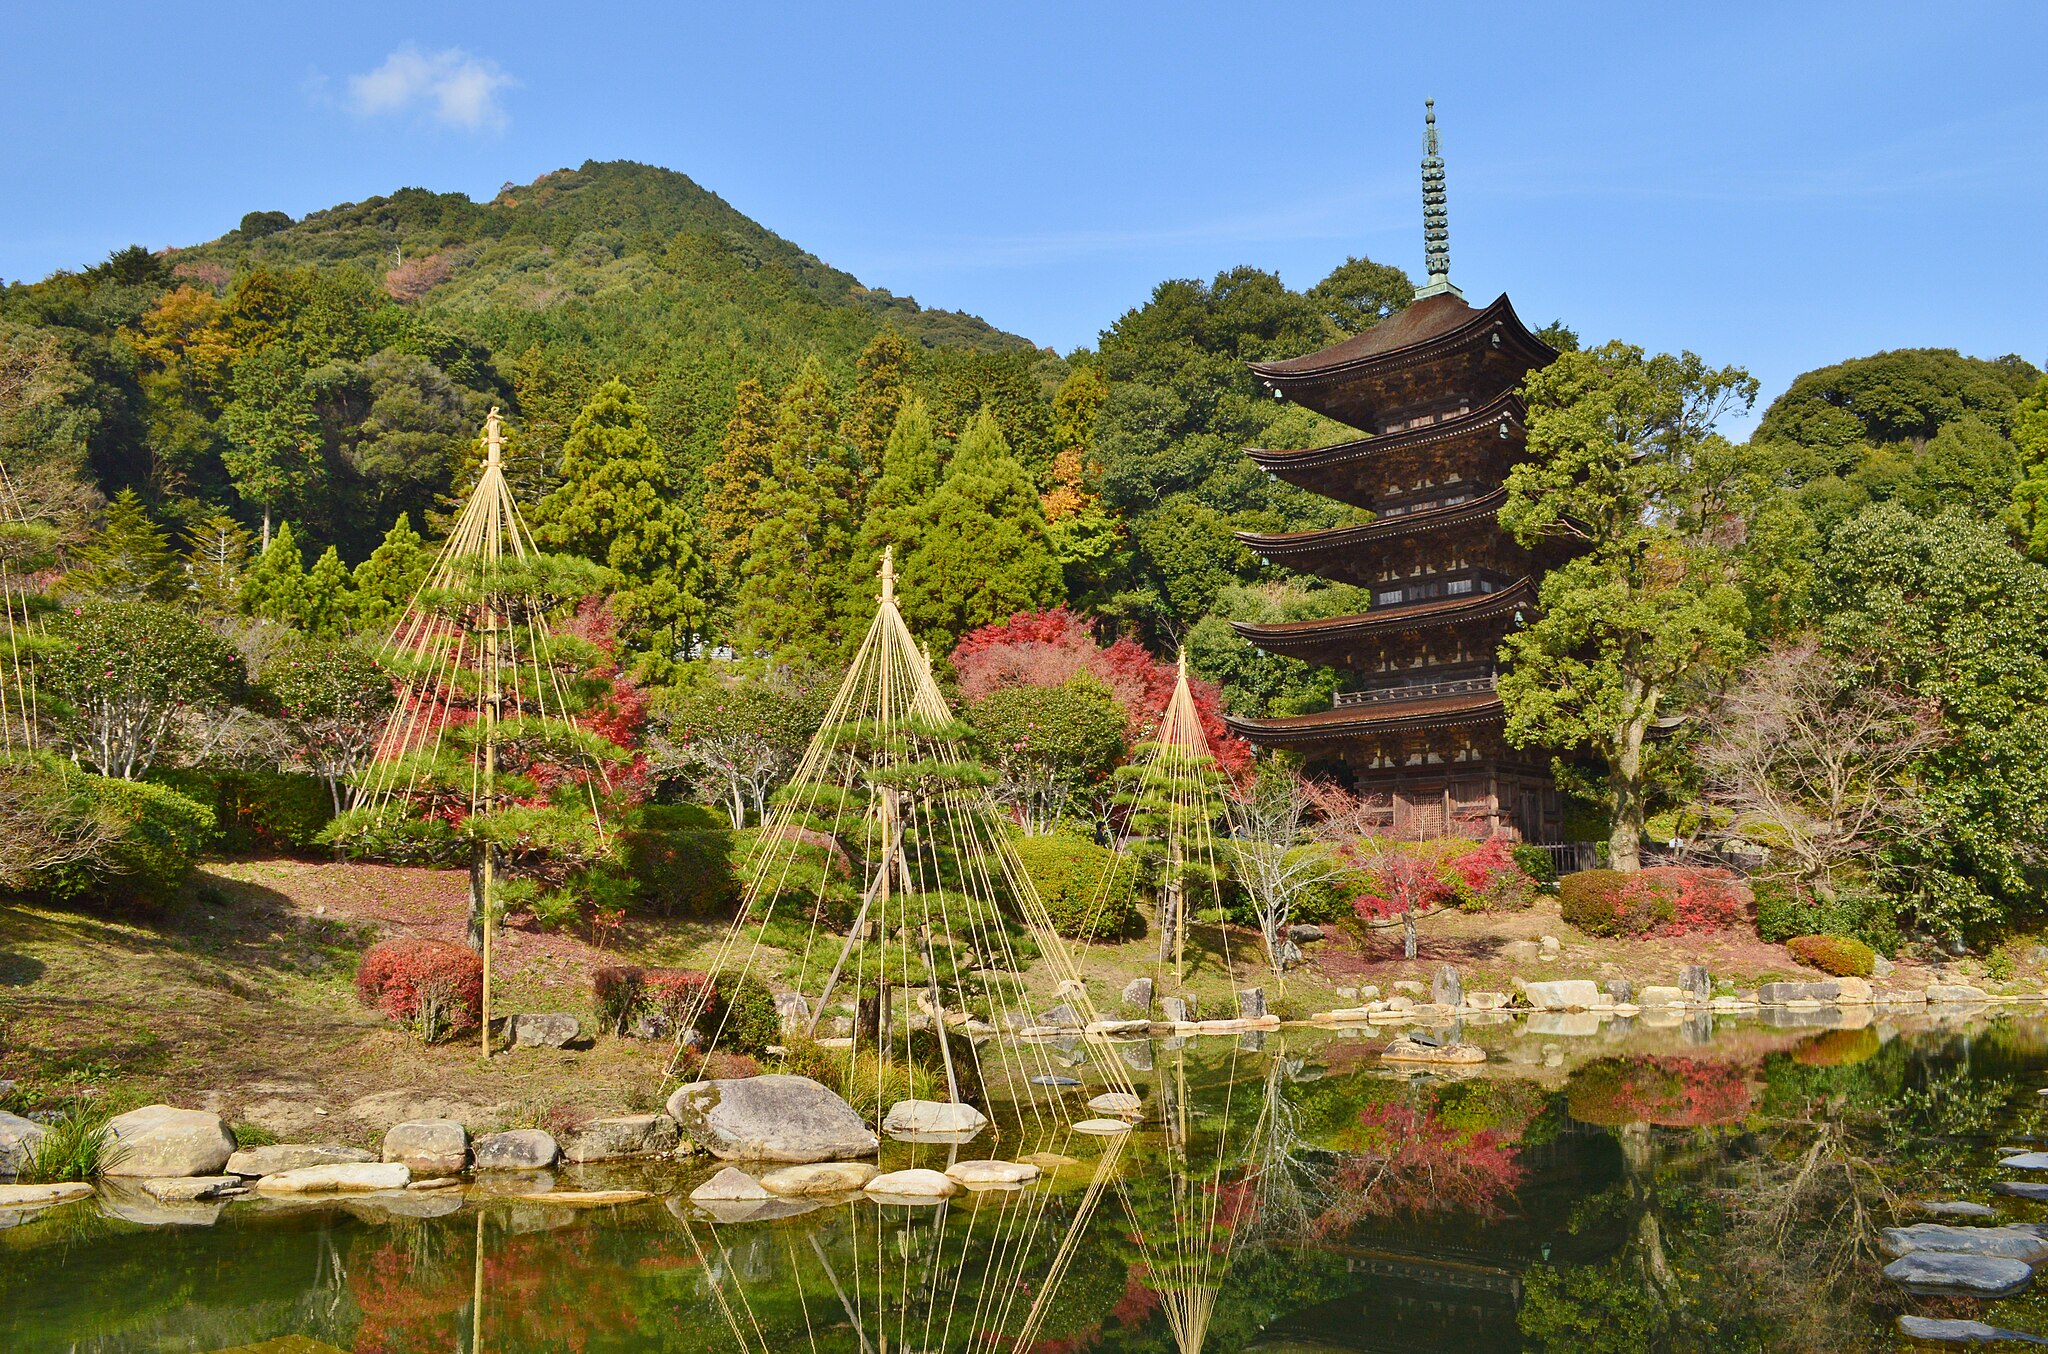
<point x="1777" y="994"/>
<point x="1137" y="995"/>
<point x="519" y="1149"/>
<point x="1661" y="996"/>
<point x="770" y="1118"/>
<point x="165" y="1140"/>
<point x="1408" y="1051"/>
<point x="387" y="1108"/>
<point x="1563" y="994"/>
<point x="1956" y="993"/>
<point x="621" y="1138"/>
<point x="933" y="1116"/>
<point x="822" y="1177"/>
<point x="2021" y="1189"/>
<point x="189" y="1189"/>
<point x="1251" y="1003"/>
<point x="2009" y="1243"/>
<point x="428" y="1147"/>
<point x="992" y="1174"/>
<point x="1177" y="1010"/>
<point x="917" y="1183"/>
<point x="1948" y="1331"/>
<point x="545" y="1029"/>
<point x="794" y="1011"/>
<point x="18" y="1139"/>
<point x="1117" y="1102"/>
<point x="290" y="1156"/>
<point x="356" y="1177"/>
<point x="730" y="1185"/>
<point x="1947" y="1272"/>
<point x="1445" y="988"/>
<point x="1060" y="1017"/>
<point x="1698" y="984"/>
<point x="42" y="1196"/>
<point x="2026" y="1161"/>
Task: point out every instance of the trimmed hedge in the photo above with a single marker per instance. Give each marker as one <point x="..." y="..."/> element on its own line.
<point x="146" y="861"/>
<point x="1839" y="955"/>
<point x="1784" y="910"/>
<point x="1611" y="903"/>
<point x="256" y="810"/>
<point x="689" y="872"/>
<point x="1089" y="891"/>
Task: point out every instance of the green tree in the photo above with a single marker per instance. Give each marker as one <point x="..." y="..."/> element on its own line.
<point x="125" y="672"/>
<point x="981" y="551"/>
<point x="387" y="580"/>
<point x="879" y="393"/>
<point x="1048" y="745"/>
<point x="797" y="598"/>
<point x="614" y="507"/>
<point x="909" y="474"/>
<point x="1626" y="471"/>
<point x="216" y="560"/>
<point x="130" y="560"/>
<point x="2030" y="495"/>
<point x="1905" y="395"/>
<point x="332" y="699"/>
<point x="1359" y="293"/>
<point x="275" y="586"/>
<point x="327" y="600"/>
<point x="273" y="435"/>
<point x="1959" y="618"/>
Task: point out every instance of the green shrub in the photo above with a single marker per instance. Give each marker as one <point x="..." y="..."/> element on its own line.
<point x="1784" y="910"/>
<point x="741" y="1017"/>
<point x="256" y="810"/>
<point x="1839" y="955"/>
<point x="1611" y="903"/>
<point x="1089" y="891"/>
<point x="688" y="872"/>
<point x="159" y="833"/>
<point x="1537" y="863"/>
<point x="391" y="835"/>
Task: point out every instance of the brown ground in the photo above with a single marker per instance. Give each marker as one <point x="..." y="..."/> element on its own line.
<point x="240" y="997"/>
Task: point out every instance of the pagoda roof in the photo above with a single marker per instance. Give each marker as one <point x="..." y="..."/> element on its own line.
<point x="1350" y="721"/>
<point x="1315" y="552"/>
<point x="1336" y="380"/>
<point x="1297" y="637"/>
<point x="1332" y="471"/>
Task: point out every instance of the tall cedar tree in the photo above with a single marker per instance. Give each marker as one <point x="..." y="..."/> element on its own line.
<point x="1624" y="471"/>
<point x="797" y="594"/>
<point x="732" y="500"/>
<point x="387" y="580"/>
<point x="909" y="474"/>
<point x="981" y="550"/>
<point x="613" y="506"/>
<point x="275" y="586"/>
<point x="328" y="601"/>
<point x="130" y="560"/>
<point x="2030" y="495"/>
<point x="878" y="397"/>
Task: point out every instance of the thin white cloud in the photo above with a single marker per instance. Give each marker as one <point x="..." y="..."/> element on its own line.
<point x="452" y="87"/>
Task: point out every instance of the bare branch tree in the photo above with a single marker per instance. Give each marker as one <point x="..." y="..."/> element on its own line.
<point x="1815" y="764"/>
<point x="1282" y="848"/>
<point x="47" y="820"/>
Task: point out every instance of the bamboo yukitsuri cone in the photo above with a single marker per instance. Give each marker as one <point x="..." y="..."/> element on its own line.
<point x="483" y="703"/>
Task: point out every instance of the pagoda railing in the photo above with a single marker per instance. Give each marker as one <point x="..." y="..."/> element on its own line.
<point x="1379" y="695"/>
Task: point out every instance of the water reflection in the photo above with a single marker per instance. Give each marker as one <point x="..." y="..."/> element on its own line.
<point x="1639" y="1193"/>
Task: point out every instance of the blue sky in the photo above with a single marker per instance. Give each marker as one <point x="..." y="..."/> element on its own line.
<point x="1776" y="185"/>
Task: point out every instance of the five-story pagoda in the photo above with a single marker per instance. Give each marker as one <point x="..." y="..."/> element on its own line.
<point x="1418" y="726"/>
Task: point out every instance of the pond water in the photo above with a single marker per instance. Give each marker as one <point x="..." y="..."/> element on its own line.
<point x="1703" y="1187"/>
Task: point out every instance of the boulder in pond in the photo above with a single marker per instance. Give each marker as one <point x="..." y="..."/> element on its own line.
<point x="2008" y="1243"/>
<point x="621" y="1138"/>
<point x="428" y="1147"/>
<point x="1563" y="994"/>
<point x="1102" y="1128"/>
<point x="42" y="1196"/>
<point x="820" y="1177"/>
<point x="1137" y="995"/>
<point x="1984" y="1276"/>
<point x="518" y="1149"/>
<point x="1410" y="1051"/>
<point x="1955" y="1208"/>
<point x="165" y="1140"/>
<point x="1777" y="994"/>
<point x="351" y="1177"/>
<point x="545" y="1029"/>
<point x="1177" y="1010"/>
<point x="189" y="1189"/>
<point x="730" y="1185"/>
<point x="992" y="1174"/>
<point x="916" y="1183"/>
<point x="289" y="1156"/>
<point x="1697" y="982"/>
<point x="2021" y="1189"/>
<point x="1942" y="1330"/>
<point x="1251" y="1003"/>
<point x="1956" y="993"/>
<point x="1117" y="1102"/>
<point x="915" y="1117"/>
<point x="2026" y="1161"/>
<point x="777" y="1117"/>
<point x="18" y="1139"/>
<point x="1446" y="988"/>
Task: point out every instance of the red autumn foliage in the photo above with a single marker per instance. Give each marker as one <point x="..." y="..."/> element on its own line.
<point x="1400" y="1162"/>
<point x="1403" y="881"/>
<point x="1706" y="899"/>
<point x="1669" y="1092"/>
<point x="1046" y="648"/>
<point x="410" y="976"/>
<point x="1485" y="863"/>
<point x="1139" y="1301"/>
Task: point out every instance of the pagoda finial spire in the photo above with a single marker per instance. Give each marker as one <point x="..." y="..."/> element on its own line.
<point x="1436" y="221"/>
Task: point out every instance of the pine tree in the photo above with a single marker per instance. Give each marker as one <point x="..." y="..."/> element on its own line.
<point x="216" y="558"/>
<point x="981" y="552"/>
<point x="910" y="472"/>
<point x="732" y="503"/>
<point x="130" y="560"/>
<point x="878" y="397"/>
<point x="797" y="594"/>
<point x="614" y="507"/>
<point x="327" y="600"/>
<point x="275" y="586"/>
<point x="386" y="581"/>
